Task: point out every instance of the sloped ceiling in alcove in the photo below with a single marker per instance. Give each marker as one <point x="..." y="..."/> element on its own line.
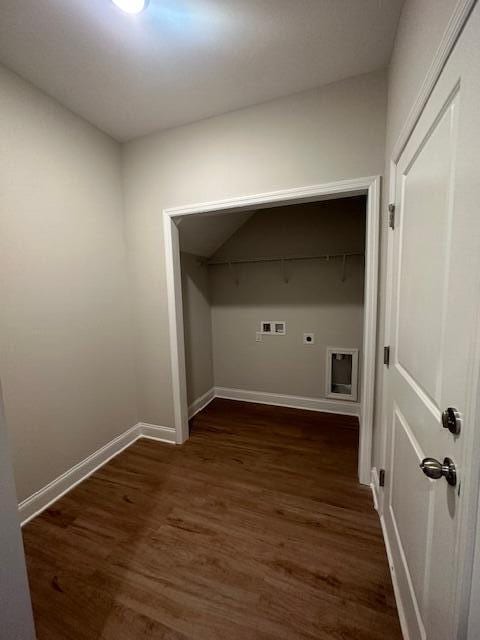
<point x="229" y="234"/>
<point x="202" y="235"/>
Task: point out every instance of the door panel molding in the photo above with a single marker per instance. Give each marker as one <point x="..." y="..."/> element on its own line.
<point x="428" y="401"/>
<point x="466" y="512"/>
<point x="403" y="431"/>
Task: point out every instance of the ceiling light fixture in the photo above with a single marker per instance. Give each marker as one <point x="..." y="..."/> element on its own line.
<point x="131" y="6"/>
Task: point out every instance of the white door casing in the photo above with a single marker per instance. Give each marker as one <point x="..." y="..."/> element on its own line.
<point x="434" y="334"/>
<point x="16" y="619"/>
<point x="370" y="186"/>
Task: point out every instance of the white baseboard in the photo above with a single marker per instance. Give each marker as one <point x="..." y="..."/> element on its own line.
<point x="374" y="485"/>
<point x="401" y="613"/>
<point x="396" y="588"/>
<point x="296" y="402"/>
<point x="201" y="402"/>
<point x="43" y="498"/>
<point x="155" y="432"/>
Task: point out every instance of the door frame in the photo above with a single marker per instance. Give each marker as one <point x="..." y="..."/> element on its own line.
<point x="369" y="186"/>
<point x="15" y="604"/>
<point x="467" y="551"/>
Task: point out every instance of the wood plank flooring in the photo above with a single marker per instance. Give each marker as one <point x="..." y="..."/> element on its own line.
<point x="255" y="529"/>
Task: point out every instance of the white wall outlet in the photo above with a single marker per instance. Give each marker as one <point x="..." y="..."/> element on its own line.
<point x="308" y="338"/>
<point x="259" y="336"/>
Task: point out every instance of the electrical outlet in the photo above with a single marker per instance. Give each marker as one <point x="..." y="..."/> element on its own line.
<point x="258" y="337"/>
<point x="308" y="338"/>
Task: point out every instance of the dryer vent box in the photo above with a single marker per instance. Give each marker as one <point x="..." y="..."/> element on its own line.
<point x="342" y="373"/>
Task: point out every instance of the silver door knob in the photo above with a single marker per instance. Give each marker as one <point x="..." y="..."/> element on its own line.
<point x="435" y="469"/>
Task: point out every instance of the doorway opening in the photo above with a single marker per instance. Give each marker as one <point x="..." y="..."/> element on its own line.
<point x="266" y="275"/>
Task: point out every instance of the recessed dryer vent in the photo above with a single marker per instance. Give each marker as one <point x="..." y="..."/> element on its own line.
<point x="342" y="373"/>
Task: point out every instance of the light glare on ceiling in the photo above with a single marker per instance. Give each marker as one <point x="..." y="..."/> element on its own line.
<point x="131" y="6"/>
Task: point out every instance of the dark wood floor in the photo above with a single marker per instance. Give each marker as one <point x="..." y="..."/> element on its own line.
<point x="255" y="529"/>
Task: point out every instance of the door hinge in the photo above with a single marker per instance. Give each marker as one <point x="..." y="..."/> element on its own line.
<point x="386" y="356"/>
<point x="391" y="216"/>
<point x="381" y="478"/>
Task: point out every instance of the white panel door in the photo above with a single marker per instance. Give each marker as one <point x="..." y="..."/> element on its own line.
<point x="434" y="339"/>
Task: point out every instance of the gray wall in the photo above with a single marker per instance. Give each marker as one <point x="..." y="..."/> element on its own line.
<point x="66" y="357"/>
<point x="65" y="350"/>
<point x="197" y="322"/>
<point x="314" y="300"/>
<point x="332" y="133"/>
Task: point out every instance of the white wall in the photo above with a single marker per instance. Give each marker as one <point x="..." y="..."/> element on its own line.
<point x="332" y="133"/>
<point x="65" y="327"/>
<point x="315" y="299"/>
<point x="197" y="321"/>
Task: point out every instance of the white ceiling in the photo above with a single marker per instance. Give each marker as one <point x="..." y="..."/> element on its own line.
<point x="183" y="60"/>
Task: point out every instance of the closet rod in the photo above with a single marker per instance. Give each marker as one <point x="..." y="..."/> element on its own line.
<point x="326" y="257"/>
